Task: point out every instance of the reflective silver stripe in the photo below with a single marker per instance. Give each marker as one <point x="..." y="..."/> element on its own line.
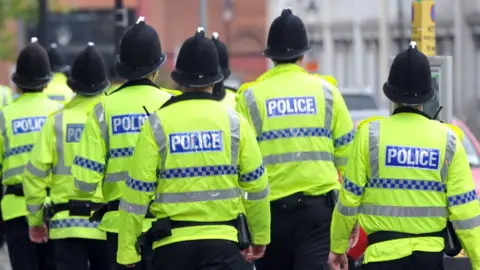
<point x="297" y="156"/>
<point x="36" y="171"/>
<point x="3" y="127"/>
<point x="449" y="153"/>
<point x="115" y="177"/>
<point x="253" y="110"/>
<point x="373" y="146"/>
<point x="13" y="172"/>
<point x="254" y="196"/>
<point x="102" y="122"/>
<point x="133" y="208"/>
<point x="60" y="168"/>
<point x="160" y="138"/>
<point x="328" y="95"/>
<point x="85" y="187"/>
<point x="466" y="224"/>
<point x="341" y="161"/>
<point x="403" y="211"/>
<point x="346" y="210"/>
<point x="234" y="135"/>
<point x="4" y="95"/>
<point x="32" y="209"/>
<point x="198" y="196"/>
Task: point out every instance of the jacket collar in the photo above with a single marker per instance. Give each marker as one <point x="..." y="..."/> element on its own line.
<point x="189" y="96"/>
<point x="143" y="81"/>
<point x="410" y="110"/>
<point x="280" y="69"/>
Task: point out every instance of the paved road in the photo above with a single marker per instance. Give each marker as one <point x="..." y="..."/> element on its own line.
<point x="4" y="261"/>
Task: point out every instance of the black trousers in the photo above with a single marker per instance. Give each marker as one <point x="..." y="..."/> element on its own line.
<point x="418" y="260"/>
<point x="300" y="239"/>
<point x="198" y="255"/>
<point x="80" y="254"/>
<point x="24" y="254"/>
<point x="112" y="246"/>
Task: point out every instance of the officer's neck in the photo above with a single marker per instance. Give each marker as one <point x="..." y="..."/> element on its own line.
<point x="208" y="89"/>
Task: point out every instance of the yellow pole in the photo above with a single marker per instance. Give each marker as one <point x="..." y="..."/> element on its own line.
<point x="423" y="26"/>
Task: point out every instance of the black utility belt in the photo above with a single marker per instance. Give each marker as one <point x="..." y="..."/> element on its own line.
<point x="383" y="236"/>
<point x="299" y="200"/>
<point x="110" y="207"/>
<point x="16" y="190"/>
<point x="75" y="208"/>
<point x="162" y="228"/>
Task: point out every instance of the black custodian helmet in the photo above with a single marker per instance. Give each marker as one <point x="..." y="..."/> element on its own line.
<point x="33" y="67"/>
<point x="409" y="81"/>
<point x="89" y="74"/>
<point x="57" y="62"/>
<point x="197" y="62"/>
<point x="222" y="55"/>
<point x="140" y="52"/>
<point x="287" y="37"/>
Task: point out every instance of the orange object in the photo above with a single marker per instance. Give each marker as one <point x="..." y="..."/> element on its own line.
<point x="311" y="66"/>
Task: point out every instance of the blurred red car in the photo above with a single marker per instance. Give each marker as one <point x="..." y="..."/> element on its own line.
<point x="472" y="149"/>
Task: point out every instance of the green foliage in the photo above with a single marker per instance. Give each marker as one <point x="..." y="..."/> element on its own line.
<point x="13" y="10"/>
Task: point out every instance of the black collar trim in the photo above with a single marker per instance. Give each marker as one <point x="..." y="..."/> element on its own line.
<point x="410" y="110"/>
<point x="188" y="96"/>
<point x="143" y="81"/>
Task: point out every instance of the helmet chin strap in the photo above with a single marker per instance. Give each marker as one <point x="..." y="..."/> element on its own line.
<point x="437" y="113"/>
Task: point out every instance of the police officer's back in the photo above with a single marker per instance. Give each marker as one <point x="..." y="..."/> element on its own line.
<point x="112" y="128"/>
<point x="206" y="156"/>
<point x="406" y="175"/>
<point x="224" y="93"/>
<point x="304" y="131"/>
<point x="78" y="242"/>
<point x="58" y="89"/>
<point x="20" y="123"/>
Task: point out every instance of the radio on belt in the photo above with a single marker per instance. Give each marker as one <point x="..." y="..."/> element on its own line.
<point x="27" y="125"/>
<point x="291" y="106"/>
<point x="127" y="123"/>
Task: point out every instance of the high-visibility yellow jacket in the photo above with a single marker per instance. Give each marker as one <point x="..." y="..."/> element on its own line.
<point x="20" y="124"/>
<point x="303" y="128"/>
<point x="409" y="182"/>
<point x="205" y="162"/>
<point x="52" y="156"/>
<point x="230" y="97"/>
<point x="108" y="141"/>
<point x="58" y="89"/>
<point x="6" y="96"/>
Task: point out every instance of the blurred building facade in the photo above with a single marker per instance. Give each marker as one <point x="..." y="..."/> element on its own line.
<point x="346" y="37"/>
<point x="240" y="24"/>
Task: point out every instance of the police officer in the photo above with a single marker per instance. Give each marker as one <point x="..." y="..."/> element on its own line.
<point x="112" y="128"/>
<point x="20" y="122"/>
<point x="223" y="93"/>
<point x="6" y="96"/>
<point x="205" y="160"/>
<point x="58" y="89"/>
<point x="406" y="176"/>
<point x="304" y="131"/>
<point x="116" y="81"/>
<point x="78" y="244"/>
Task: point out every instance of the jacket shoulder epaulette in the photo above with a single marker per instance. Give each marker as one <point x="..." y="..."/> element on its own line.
<point x="245" y="86"/>
<point x="458" y="131"/>
<point x="370" y="119"/>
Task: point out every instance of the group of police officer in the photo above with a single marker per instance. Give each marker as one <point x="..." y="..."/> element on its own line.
<point x="149" y="178"/>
